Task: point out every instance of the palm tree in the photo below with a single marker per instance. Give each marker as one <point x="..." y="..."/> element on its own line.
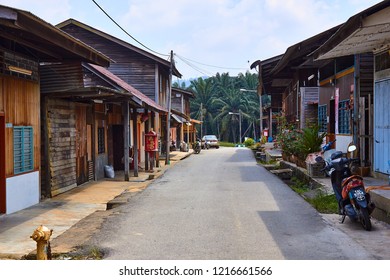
<point x="232" y="101"/>
<point x="179" y="84"/>
<point x="247" y="81"/>
<point x="201" y="106"/>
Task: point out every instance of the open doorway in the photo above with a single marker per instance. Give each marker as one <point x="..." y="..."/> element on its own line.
<point x="117" y="136"/>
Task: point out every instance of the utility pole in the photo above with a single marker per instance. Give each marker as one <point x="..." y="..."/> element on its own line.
<point x="260" y="92"/>
<point x="168" y="138"/>
<point x="240" y="119"/>
<point x="201" y="121"/>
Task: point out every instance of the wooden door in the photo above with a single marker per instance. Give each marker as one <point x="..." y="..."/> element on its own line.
<point x="381" y="127"/>
<point x="118" y="144"/>
<point x="81" y="145"/>
<point x="2" y="165"/>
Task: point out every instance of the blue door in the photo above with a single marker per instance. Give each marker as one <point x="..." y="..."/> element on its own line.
<point x="382" y="127"/>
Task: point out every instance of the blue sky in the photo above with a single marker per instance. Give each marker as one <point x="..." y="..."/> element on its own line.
<point x="210" y="35"/>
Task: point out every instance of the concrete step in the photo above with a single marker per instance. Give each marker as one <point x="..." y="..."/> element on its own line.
<point x="381" y="198"/>
<point x="283" y="173"/>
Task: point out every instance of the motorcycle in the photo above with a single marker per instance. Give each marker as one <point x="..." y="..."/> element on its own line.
<point x="327" y="152"/>
<point x="196" y="147"/>
<point x="352" y="198"/>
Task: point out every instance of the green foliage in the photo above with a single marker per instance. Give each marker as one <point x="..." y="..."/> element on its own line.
<point x="249" y="142"/>
<point x="299" y="142"/>
<point x="287" y="137"/>
<point x="309" y="141"/>
<point x="216" y="96"/>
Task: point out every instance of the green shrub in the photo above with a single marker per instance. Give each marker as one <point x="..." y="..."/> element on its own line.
<point x="249" y="142"/>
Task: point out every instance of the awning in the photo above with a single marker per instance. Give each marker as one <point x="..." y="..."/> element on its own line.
<point x="196" y="121"/>
<point x="178" y="113"/>
<point x="365" y="32"/>
<point x="176" y="118"/>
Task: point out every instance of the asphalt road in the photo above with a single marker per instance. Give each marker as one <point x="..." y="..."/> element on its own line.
<point x="220" y="204"/>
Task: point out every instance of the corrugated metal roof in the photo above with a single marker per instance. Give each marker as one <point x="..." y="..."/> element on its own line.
<point x="33" y="36"/>
<point x="365" y="32"/>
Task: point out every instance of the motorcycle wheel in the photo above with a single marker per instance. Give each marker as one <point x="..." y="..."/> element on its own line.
<point x="365" y="219"/>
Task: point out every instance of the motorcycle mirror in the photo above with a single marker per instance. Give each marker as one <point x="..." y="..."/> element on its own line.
<point x="352" y="148"/>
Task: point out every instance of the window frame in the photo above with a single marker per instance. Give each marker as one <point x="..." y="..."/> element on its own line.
<point x="344" y="122"/>
<point x="101" y="140"/>
<point x="322" y="118"/>
<point x="23" y="141"/>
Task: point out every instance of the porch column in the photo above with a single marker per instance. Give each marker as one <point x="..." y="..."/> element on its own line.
<point x="46" y="190"/>
<point x="135" y="144"/>
<point x="155" y="128"/>
<point x="126" y="146"/>
<point x="147" y="129"/>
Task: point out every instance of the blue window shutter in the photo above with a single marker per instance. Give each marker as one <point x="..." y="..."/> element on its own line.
<point x="23" y="149"/>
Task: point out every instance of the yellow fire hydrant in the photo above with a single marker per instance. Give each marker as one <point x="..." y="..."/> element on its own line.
<point x="42" y="236"/>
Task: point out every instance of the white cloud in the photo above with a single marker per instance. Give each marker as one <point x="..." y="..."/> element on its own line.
<point x="51" y="11"/>
<point x="215" y="32"/>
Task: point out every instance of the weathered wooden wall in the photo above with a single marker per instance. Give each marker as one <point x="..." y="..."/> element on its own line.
<point x="132" y="67"/>
<point x="21" y="105"/>
<point x="61" y="126"/>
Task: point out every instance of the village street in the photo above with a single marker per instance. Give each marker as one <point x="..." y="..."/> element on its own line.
<point x="220" y="204"/>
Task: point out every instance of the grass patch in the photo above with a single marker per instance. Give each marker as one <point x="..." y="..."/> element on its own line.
<point x="325" y="204"/>
<point x="226" y="144"/>
<point x="299" y="186"/>
<point x="91" y="253"/>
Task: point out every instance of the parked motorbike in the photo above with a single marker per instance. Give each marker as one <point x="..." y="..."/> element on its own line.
<point x="206" y="145"/>
<point x="327" y="152"/>
<point x="349" y="189"/>
<point x="196" y="147"/>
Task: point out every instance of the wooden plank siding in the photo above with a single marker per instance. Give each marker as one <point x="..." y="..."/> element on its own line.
<point x="130" y="66"/>
<point x="61" y="122"/>
<point x="309" y="106"/>
<point x="21" y="105"/>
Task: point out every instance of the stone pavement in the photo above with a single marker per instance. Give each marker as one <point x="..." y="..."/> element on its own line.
<point x="67" y="210"/>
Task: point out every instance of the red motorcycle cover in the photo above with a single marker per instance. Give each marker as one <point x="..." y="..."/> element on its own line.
<point x="351" y="182"/>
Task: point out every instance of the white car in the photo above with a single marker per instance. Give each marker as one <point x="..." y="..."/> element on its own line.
<point x="210" y="141"/>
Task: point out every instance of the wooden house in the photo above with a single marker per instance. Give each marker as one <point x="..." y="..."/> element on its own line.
<point x="85" y="112"/>
<point x="181" y="121"/>
<point x="27" y="43"/>
<point x="366" y="38"/>
<point x="148" y="73"/>
<point x="273" y="87"/>
<point x="297" y="75"/>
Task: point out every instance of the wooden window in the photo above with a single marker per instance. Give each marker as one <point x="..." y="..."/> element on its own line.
<point x="344" y="127"/>
<point x="101" y="141"/>
<point x="23" y="149"/>
<point x="322" y="120"/>
<point x="382" y="61"/>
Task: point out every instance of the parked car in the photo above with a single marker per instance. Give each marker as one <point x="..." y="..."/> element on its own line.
<point x="210" y="141"/>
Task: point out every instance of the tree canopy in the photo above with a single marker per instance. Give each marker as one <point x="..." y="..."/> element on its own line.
<point x="216" y="96"/>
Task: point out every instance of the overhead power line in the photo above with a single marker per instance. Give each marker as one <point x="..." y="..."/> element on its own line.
<point x="132" y="37"/>
<point x="188" y="61"/>
<point x="220" y="67"/>
<point x="202" y="71"/>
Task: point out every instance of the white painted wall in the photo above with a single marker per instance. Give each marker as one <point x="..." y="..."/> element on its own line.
<point x="342" y="142"/>
<point x="22" y="191"/>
